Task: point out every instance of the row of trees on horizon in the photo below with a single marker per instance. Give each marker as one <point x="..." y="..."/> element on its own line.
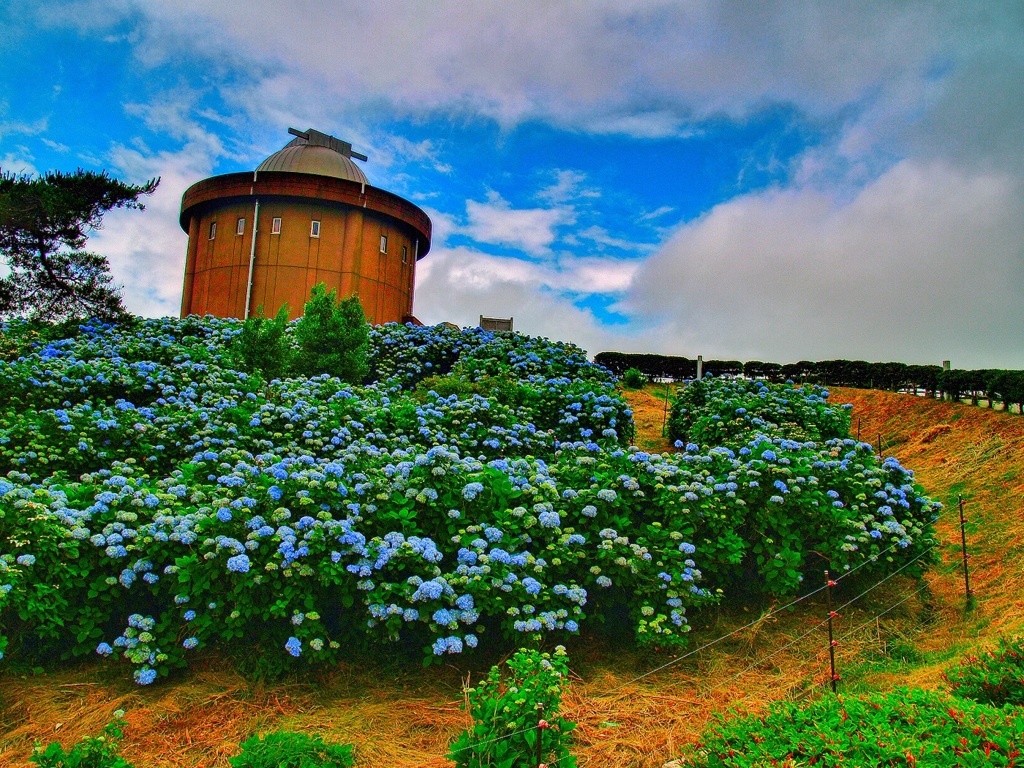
<point x="992" y="385"/>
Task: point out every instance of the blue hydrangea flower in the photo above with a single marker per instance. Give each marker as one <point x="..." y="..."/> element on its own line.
<point x="443" y="616"/>
<point x="472" y="490"/>
<point x="549" y="519"/>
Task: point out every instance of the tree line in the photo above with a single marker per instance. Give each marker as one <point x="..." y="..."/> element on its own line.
<point x="993" y="385"/>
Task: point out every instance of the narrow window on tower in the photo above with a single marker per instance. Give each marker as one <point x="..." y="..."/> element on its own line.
<point x="240" y="227"/>
<point x="405" y="254"/>
<point x="213" y="229"/>
<point x="275" y="226"/>
<point x="383" y="243"/>
<point x="314" y="229"/>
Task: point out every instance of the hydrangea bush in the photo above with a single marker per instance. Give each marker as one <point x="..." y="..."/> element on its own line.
<point x="155" y="500"/>
<point x="728" y="410"/>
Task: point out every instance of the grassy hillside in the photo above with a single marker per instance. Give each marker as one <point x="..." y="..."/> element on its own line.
<point x="958" y="449"/>
<point x="404" y="717"/>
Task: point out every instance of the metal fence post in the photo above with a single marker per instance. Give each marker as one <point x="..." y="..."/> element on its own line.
<point x="832" y="642"/>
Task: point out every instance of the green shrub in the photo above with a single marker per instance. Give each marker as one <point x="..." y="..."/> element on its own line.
<point x="904" y="727"/>
<point x="510" y="716"/>
<point x="332" y="337"/>
<point x="633" y="378"/>
<point x="90" y="752"/>
<point x="287" y="749"/>
<point x="263" y="344"/>
<point x="994" y="677"/>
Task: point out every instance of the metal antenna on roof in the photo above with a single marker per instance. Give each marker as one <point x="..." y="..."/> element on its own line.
<point x="318" y="139"/>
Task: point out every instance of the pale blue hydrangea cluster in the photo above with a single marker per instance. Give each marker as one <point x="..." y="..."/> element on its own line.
<point x="727" y="410"/>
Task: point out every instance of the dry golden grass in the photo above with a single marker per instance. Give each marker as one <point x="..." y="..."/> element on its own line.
<point x="406" y="718"/>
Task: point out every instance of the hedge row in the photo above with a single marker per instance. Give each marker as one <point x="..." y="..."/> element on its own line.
<point x="993" y="385"/>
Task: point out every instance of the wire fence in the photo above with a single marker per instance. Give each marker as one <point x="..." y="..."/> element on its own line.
<point x="819" y="656"/>
<point x="813" y="657"/>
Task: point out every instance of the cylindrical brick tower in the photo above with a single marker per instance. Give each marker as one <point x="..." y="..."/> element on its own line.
<point x="306" y="215"/>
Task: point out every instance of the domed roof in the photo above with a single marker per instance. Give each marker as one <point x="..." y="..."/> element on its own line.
<point x="317" y="154"/>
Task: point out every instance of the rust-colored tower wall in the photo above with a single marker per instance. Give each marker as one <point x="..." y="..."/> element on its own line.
<point x="345" y="253"/>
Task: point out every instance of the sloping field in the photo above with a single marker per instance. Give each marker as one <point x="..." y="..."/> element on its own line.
<point x="958" y="449"/>
<point x="633" y="708"/>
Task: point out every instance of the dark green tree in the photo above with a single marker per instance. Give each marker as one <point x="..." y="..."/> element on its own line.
<point x="264" y="346"/>
<point x="332" y="337"/>
<point x="44" y="224"/>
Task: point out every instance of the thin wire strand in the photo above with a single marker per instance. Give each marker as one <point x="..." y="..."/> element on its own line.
<point x="716" y="641"/>
<point x="948" y="571"/>
<point x="874" y="558"/>
<point x="880" y="582"/>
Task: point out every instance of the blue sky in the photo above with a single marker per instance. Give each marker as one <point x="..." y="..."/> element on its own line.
<point x="774" y="181"/>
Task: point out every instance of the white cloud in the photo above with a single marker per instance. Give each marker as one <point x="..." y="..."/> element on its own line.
<point x="640" y="67"/>
<point x="459" y="284"/>
<point x="603" y="238"/>
<point x="425" y="152"/>
<point x="20" y="163"/>
<point x="531" y="229"/>
<point x="568" y="186"/>
<point x="443" y="225"/>
<point x="568" y="275"/>
<point x="12" y="127"/>
<point x="56" y="146"/>
<point x="657" y="213"/>
<point x="171" y="114"/>
<point x="924" y="264"/>
<point x="146" y="249"/>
